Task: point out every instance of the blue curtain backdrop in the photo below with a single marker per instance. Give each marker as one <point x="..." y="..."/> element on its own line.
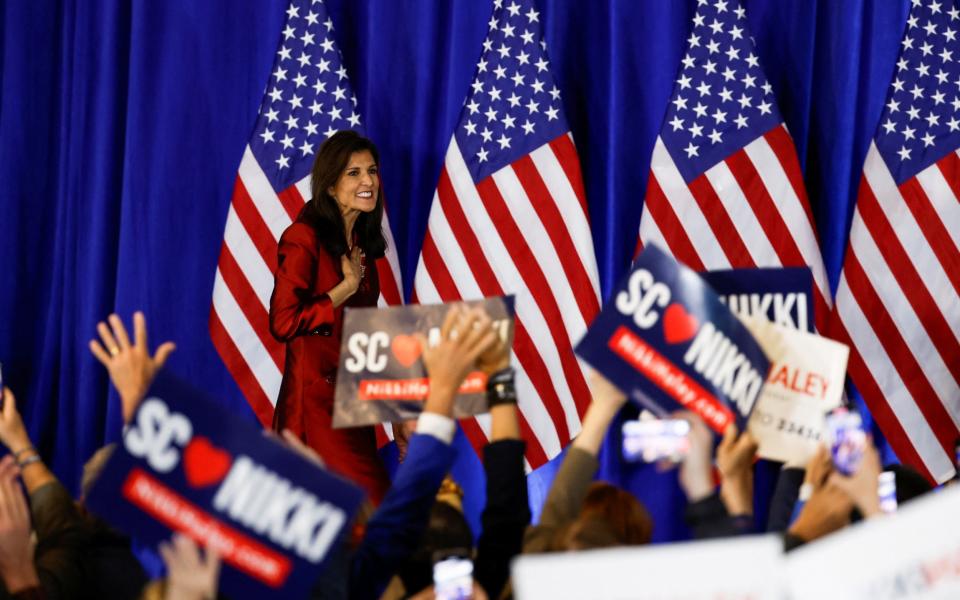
<point x="122" y="125"/>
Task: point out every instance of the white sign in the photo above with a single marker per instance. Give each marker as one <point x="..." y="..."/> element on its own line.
<point x="744" y="568"/>
<point x="804" y="383"/>
<point x="913" y="554"/>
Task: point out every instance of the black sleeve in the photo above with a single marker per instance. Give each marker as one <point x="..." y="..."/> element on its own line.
<point x="792" y="542"/>
<point x="61" y="539"/>
<point x="708" y="518"/>
<point x="784" y="499"/>
<point x="505" y="517"/>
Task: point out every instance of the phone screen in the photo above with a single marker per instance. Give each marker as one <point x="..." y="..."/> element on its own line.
<point x="656" y="439"/>
<point x="887" y="489"/>
<point x="847" y="439"/>
<point x="453" y="578"/>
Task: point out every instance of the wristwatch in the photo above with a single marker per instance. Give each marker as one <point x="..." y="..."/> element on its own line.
<point x="500" y="388"/>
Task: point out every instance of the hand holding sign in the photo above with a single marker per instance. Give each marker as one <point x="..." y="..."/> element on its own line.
<point x="187" y="466"/>
<point x="190" y="574"/>
<point x="667" y="339"/>
<point x="861" y="487"/>
<point x="696" y="471"/>
<point x="465" y="335"/>
<point x="387" y="353"/>
<point x="735" y="456"/>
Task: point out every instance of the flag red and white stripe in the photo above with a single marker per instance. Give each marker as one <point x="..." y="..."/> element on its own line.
<point x="509" y="216"/>
<point x="898" y="300"/>
<point x="748" y="210"/>
<point x="522" y="231"/>
<point x="898" y="307"/>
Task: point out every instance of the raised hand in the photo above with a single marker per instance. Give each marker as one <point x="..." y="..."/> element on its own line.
<point x="862" y="486"/>
<point x="607" y="401"/>
<point x="16" y="546"/>
<point x="13" y="433"/>
<point x="464" y="336"/>
<point x="696" y="471"/>
<point x="190" y="576"/>
<point x="496" y="358"/>
<point x="130" y="366"/>
<point x="827" y="510"/>
<point x="735" y="456"/>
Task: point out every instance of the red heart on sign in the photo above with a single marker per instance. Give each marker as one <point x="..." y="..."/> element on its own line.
<point x="406" y="348"/>
<point x="203" y="463"/>
<point x="678" y="324"/>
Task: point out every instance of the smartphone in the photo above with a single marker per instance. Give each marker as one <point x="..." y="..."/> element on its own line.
<point x="887" y="489"/>
<point x="453" y="577"/>
<point x="847" y="439"/>
<point x="655" y="440"/>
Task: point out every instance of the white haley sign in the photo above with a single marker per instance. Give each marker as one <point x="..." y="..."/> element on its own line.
<point x="804" y="383"/>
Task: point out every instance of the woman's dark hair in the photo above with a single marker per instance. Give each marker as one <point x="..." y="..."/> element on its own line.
<point x="323" y="212"/>
<point x="447" y="530"/>
<point x="628" y="519"/>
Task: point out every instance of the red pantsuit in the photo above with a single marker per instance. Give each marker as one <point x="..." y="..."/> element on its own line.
<point x="302" y="315"/>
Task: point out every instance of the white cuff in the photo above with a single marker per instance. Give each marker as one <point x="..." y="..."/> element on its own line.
<point x="438" y="426"/>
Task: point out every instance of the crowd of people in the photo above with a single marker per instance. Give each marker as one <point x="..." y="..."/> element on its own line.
<point x="52" y="547"/>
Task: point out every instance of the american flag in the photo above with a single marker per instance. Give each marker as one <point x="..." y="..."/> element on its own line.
<point x="509" y="217"/>
<point x="308" y="98"/>
<point x="897" y="301"/>
<point x="725" y="188"/>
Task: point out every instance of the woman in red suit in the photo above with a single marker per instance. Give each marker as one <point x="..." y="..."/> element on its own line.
<point x="327" y="261"/>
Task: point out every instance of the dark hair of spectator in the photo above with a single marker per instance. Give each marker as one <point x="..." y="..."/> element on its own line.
<point x="588" y="532"/>
<point x="447" y="530"/>
<point x="910" y="483"/>
<point x="323" y="212"/>
<point x="628" y="519"/>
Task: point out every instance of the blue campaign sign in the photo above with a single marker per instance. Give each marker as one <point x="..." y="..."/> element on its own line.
<point x="186" y="465"/>
<point x="784" y="296"/>
<point x="665" y="337"/>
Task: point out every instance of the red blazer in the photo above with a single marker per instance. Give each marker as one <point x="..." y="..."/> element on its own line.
<point x="302" y="315"/>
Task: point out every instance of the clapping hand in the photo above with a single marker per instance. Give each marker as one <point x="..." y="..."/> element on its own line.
<point x="16" y="546"/>
<point x="131" y="367"/>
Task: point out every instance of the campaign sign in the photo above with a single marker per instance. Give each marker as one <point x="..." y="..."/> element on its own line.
<point x="187" y="465"/>
<point x="666" y="338"/>
<point x="381" y="377"/>
<point x="742" y="568"/>
<point x="805" y="382"/>
<point x="913" y="554"/>
<point x="782" y="296"/>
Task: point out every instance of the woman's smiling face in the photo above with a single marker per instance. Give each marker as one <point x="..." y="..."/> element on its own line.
<point x="358" y="186"/>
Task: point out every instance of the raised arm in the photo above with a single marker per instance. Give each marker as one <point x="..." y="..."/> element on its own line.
<point x="507" y="511"/>
<point x="394" y="531"/>
<point x="130" y="366"/>
<point x="579" y="466"/>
